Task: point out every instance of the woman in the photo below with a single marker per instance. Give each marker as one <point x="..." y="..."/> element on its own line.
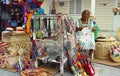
<point x="85" y="33"/>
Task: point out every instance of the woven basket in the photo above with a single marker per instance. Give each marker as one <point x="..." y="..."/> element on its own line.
<point x="19" y="38"/>
<point x="118" y="34"/>
<point x="11" y="61"/>
<point x="18" y="33"/>
<point x="6" y="33"/>
<point x="6" y="36"/>
<point x="116" y="59"/>
<point x="115" y="52"/>
<point x="12" y="51"/>
<point x="32" y="72"/>
<point x="102" y="50"/>
<point x="35" y="72"/>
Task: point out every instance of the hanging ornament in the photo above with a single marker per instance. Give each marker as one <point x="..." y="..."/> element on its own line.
<point x="38" y="2"/>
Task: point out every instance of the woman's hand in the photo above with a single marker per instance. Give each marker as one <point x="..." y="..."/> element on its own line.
<point x="93" y="29"/>
<point x="80" y="28"/>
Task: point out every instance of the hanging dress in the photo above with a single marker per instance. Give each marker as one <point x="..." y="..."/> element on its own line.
<point x="86" y="36"/>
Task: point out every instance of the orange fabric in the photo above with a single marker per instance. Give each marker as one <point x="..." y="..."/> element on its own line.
<point x="29" y="16"/>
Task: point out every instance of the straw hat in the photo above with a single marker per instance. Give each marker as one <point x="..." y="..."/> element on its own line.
<point x="92" y="17"/>
<point x="111" y="38"/>
<point x="118" y="34"/>
<point x="102" y="35"/>
<point x="104" y="38"/>
<point x="19" y="29"/>
<point x="9" y="29"/>
<point x="18" y="33"/>
<point x="7" y="33"/>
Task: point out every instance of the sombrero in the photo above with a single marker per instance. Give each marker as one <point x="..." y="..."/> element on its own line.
<point x="102" y="35"/>
<point x="9" y="29"/>
<point x="19" y="29"/>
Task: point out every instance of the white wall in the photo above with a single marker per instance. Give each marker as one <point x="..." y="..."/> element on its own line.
<point x="62" y="9"/>
<point x="87" y="5"/>
<point x="46" y="7"/>
<point x="104" y="15"/>
<point x="59" y="9"/>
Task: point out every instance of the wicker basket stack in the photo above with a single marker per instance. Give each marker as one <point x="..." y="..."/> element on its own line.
<point x="102" y="49"/>
<point x="18" y="38"/>
<point x="10" y="62"/>
<point x="6" y="36"/>
<point x="19" y="45"/>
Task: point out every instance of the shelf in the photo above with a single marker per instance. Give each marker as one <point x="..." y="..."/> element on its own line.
<point x="54" y="61"/>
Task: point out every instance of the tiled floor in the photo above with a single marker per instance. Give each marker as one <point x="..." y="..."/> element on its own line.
<point x="103" y="71"/>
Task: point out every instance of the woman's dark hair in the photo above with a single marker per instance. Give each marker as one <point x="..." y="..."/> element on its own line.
<point x="85" y="11"/>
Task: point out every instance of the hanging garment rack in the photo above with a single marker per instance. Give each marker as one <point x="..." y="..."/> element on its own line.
<point x="60" y="40"/>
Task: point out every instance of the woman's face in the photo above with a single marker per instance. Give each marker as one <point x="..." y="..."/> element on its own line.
<point x="86" y="14"/>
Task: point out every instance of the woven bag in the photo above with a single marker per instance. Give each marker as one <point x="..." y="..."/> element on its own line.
<point x="12" y="51"/>
<point x="102" y="49"/>
<point x="11" y="61"/>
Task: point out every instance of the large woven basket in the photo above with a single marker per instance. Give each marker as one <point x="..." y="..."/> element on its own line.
<point x="18" y="33"/>
<point x="10" y="62"/>
<point x="102" y="50"/>
<point x="19" y="38"/>
<point x="6" y="36"/>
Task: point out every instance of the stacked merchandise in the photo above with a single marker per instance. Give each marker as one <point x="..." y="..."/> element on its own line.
<point x="17" y="55"/>
<point x="3" y="47"/>
<point x="77" y="60"/>
<point x="107" y="51"/>
<point x="49" y="40"/>
<point x="103" y="45"/>
<point x="6" y="36"/>
<point x="54" y="41"/>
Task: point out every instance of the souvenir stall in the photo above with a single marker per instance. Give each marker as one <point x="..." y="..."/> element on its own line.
<point x="54" y="42"/>
<point x="42" y="39"/>
<point x="16" y="57"/>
